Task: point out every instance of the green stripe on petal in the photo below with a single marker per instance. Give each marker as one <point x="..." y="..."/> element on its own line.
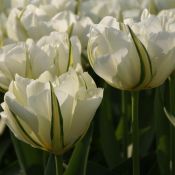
<point x="31" y="140"/>
<point x="145" y="62"/>
<point x="89" y="52"/>
<point x="28" y="72"/>
<point x="70" y="58"/>
<point x="56" y="132"/>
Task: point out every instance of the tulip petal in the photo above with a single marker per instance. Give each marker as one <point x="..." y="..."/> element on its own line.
<point x="25" y="118"/>
<point x="66" y="102"/>
<point x="69" y="83"/>
<point x="39" y="100"/>
<point x="83" y="114"/>
<point x="17" y="128"/>
<point x="40" y="62"/>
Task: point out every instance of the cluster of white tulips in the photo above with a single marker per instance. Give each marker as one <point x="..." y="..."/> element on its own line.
<point x="49" y="100"/>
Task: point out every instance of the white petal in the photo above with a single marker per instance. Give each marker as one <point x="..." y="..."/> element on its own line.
<point x="76" y="49"/>
<point x="39" y="101"/>
<point x="69" y="83"/>
<point x="40" y="61"/>
<point x="83" y="114"/>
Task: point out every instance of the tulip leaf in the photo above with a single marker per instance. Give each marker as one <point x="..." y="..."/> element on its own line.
<point x="4" y="145"/>
<point x="13" y="168"/>
<point x="170" y="117"/>
<point x="78" y="161"/>
<point x="145" y="62"/>
<point x="110" y="147"/>
<point x="162" y="134"/>
<point x="23" y="151"/>
<point x="50" y="167"/>
<point x="56" y="118"/>
<point x="94" y="168"/>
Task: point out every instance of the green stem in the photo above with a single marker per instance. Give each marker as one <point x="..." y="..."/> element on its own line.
<point x="135" y="133"/>
<point x="124" y="115"/>
<point x="58" y="165"/>
<point x="172" y="132"/>
<point x="77" y="8"/>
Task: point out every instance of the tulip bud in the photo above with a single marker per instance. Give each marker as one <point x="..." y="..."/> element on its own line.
<point x="51" y="116"/>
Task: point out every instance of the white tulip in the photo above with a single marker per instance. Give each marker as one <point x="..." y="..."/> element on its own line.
<point x="116" y="54"/>
<point x="113" y="56"/>
<point x="31" y="59"/>
<point x="31" y="22"/>
<point x="52" y="53"/>
<point x="51" y="116"/>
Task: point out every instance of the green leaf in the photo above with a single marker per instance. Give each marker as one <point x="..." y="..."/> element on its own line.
<point x="12" y="169"/>
<point x="162" y="133"/>
<point x="146" y="163"/>
<point x="95" y="169"/>
<point x="23" y="151"/>
<point x="78" y="162"/>
<point x="50" y="167"/>
<point x="170" y="117"/>
<point x="4" y="145"/>
<point x="108" y="142"/>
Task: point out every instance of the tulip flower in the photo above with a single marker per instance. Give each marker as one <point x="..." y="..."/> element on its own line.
<point x="51" y="114"/>
<point x="31" y="22"/>
<point x="113" y="55"/>
<point x="132" y="58"/>
<point x="31" y="59"/>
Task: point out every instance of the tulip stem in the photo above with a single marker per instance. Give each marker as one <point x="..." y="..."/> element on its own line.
<point x="135" y="133"/>
<point x="58" y="165"/>
<point x="77" y="8"/>
<point x="125" y="128"/>
<point x="172" y="131"/>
